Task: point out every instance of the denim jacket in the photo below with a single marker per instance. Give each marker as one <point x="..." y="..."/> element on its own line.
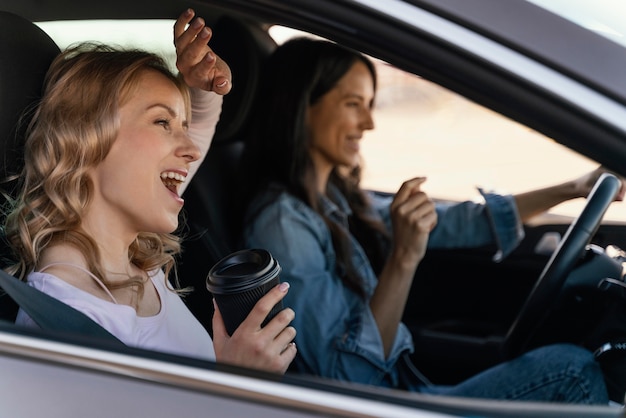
<point x="337" y="336"/>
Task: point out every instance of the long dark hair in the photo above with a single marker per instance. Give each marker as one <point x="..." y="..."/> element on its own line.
<point x="296" y="76"/>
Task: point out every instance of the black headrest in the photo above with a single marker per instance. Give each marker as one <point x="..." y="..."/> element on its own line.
<point x="26" y="52"/>
<point x="244" y="48"/>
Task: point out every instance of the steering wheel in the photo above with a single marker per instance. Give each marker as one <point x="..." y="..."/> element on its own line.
<point x="570" y="249"/>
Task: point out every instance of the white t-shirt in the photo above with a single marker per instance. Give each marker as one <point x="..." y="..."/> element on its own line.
<point x="173" y="330"/>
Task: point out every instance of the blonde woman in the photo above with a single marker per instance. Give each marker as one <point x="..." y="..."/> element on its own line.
<point x="106" y="158"/>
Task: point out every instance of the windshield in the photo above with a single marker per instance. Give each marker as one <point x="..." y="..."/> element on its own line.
<point x="605" y="17"/>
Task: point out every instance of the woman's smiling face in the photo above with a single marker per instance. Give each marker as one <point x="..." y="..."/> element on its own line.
<point x="137" y="183"/>
<point x="339" y="118"/>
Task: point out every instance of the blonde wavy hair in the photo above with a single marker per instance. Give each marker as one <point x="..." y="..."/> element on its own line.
<point x="73" y="130"/>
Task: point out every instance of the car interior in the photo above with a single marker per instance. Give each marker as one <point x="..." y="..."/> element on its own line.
<point x="211" y="225"/>
<point x="444" y="332"/>
<point x="460" y="327"/>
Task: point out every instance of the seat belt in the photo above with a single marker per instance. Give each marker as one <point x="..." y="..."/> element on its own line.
<point x="50" y="313"/>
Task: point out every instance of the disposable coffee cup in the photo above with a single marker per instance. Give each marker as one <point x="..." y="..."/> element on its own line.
<point x="239" y="280"/>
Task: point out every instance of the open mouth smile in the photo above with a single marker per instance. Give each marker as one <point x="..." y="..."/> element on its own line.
<point x="172" y="180"/>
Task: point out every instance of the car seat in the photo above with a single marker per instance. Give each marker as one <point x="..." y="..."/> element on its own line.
<point x="211" y="217"/>
<point x="26" y="52"/>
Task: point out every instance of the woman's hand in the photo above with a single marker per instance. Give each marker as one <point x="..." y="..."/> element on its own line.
<point x="585" y="183"/>
<point x="199" y="65"/>
<point x="413" y="216"/>
<point x="270" y="348"/>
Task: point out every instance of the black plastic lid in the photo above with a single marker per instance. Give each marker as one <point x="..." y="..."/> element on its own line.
<point x="241" y="271"/>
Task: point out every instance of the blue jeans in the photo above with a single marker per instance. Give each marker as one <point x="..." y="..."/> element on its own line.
<point x="554" y="373"/>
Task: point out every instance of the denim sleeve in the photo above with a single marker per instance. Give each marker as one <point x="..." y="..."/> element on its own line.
<point x="505" y="222"/>
<point x="337" y="336"/>
<point x="472" y="224"/>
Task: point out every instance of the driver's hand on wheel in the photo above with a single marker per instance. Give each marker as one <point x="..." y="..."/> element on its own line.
<point x="585" y="183"/>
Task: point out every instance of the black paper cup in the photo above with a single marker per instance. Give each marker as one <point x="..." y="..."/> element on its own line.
<point x="239" y="280"/>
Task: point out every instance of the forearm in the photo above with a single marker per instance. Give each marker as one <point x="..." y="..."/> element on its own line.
<point x="206" y="108"/>
<point x="413" y="218"/>
<point x="535" y="202"/>
<point x="389" y="299"/>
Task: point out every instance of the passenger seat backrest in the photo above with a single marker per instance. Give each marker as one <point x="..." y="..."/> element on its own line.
<point x="212" y="209"/>
<point x="26" y="52"/>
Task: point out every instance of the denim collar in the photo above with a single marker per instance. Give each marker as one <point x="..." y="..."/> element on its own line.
<point x="334" y="204"/>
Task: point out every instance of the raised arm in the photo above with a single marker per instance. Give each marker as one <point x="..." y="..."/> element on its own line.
<point x="208" y="76"/>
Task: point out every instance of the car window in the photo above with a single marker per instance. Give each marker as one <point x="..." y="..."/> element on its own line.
<point x="152" y="35"/>
<point x="423" y="129"/>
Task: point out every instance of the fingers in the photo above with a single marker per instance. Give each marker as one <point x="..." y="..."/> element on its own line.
<point x="270" y="348"/>
<point x="263" y="307"/>
<point x="181" y="23"/>
<point x="622" y="191"/>
<point x="409" y="188"/>
<point x="282" y="349"/>
<point x="214" y="73"/>
<point x="184" y="36"/>
<point x="619" y="197"/>
<point x="277" y="329"/>
<point x="222" y="83"/>
<point x="199" y="65"/>
<point x="430" y="220"/>
<point x="414" y="206"/>
<point x="287" y="356"/>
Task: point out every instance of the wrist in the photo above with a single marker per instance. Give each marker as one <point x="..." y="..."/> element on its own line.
<point x="405" y="259"/>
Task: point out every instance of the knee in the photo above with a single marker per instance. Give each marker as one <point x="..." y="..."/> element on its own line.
<point x="569" y="359"/>
<point x="578" y="365"/>
<point x="564" y="353"/>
